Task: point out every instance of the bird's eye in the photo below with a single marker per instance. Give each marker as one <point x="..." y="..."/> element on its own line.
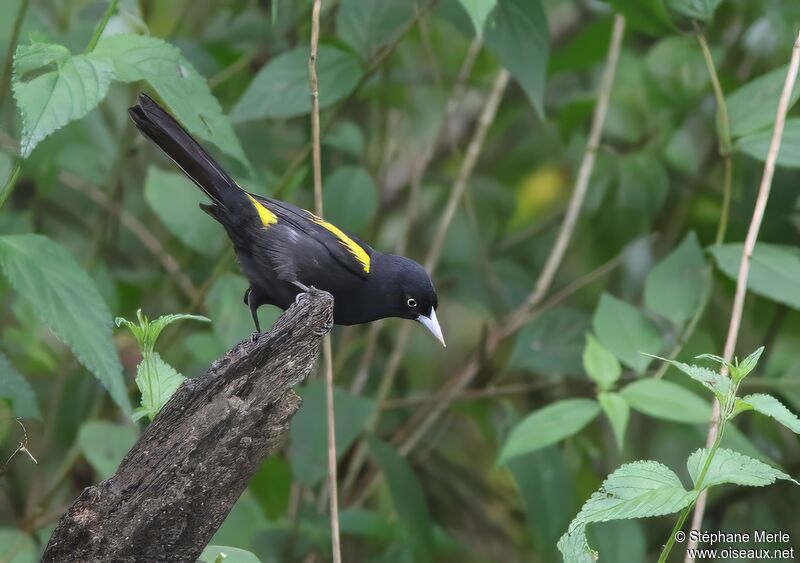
<point x="411" y="302"/>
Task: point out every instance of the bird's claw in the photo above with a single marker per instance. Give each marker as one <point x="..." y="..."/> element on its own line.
<point x="254" y="337"/>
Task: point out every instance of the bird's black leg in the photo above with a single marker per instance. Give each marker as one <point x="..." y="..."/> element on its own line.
<point x="303" y="289"/>
<point x="300" y="286"/>
<point x="251" y="302"/>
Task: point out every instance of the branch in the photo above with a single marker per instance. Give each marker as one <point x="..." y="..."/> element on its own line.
<point x="316" y="152"/>
<point x="179" y="481"/>
<point x="747" y="253"/>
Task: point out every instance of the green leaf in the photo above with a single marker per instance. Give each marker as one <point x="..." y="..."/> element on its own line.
<point x="732" y="467"/>
<point x="547" y="492"/>
<point x="624" y="330"/>
<point x="186" y="93"/>
<point x="365" y="25"/>
<point x="105" y="444"/>
<point x="225" y="554"/>
<point x="280" y="89"/>
<point x="675" y="286"/>
<point x="774" y="270"/>
<point x="701" y="10"/>
<point x="15" y="387"/>
<point x="174" y="198"/>
<point x="308" y="434"/>
<point x="409" y="499"/>
<point x="772" y="407"/>
<point x="350" y="198"/>
<point x="548" y="425"/>
<point x="757" y="145"/>
<point x="617" y="411"/>
<point x="478" y="11"/>
<point x="648" y="16"/>
<point x="666" y="400"/>
<point x="753" y="107"/>
<point x="157" y="381"/>
<point x="743" y="369"/>
<point x="66" y="299"/>
<point x="552" y="343"/>
<point x="347" y="137"/>
<point x="147" y="331"/>
<point x="517" y="34"/>
<point x="601" y="365"/>
<point x="710" y="379"/>
<point x="51" y="99"/>
<point x="636" y="490"/>
<point x="17" y="547"/>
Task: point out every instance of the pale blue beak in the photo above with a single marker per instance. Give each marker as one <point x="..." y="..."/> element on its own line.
<point x="432" y="324"/>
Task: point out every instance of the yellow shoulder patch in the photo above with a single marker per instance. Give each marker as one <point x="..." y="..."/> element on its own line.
<point x="352" y="246"/>
<point x="267" y="217"/>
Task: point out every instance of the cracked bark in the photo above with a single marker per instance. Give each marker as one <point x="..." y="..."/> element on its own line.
<point x="177" y="484"/>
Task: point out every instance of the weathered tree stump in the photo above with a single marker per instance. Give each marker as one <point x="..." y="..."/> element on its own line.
<point x="177" y="484"/>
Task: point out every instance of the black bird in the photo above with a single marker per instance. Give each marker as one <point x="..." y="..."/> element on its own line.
<point x="283" y="249"/>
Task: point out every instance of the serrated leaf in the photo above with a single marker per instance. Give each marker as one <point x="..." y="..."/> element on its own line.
<point x="407" y="494"/>
<point x="14" y="387"/>
<point x="517" y="34"/>
<point x="174" y="198"/>
<point x="675" y="286"/>
<point x="753" y="107"/>
<point x="548" y="425"/>
<point x="185" y="92"/>
<point x="50" y="100"/>
<point x="617" y="411"/>
<point x="574" y="546"/>
<point x="636" y="490"/>
<point x="147" y="331"/>
<point x="712" y="380"/>
<point x="157" y="381"/>
<point x="747" y="365"/>
<point x="105" y="444"/>
<point x="478" y="11"/>
<point x="365" y="25"/>
<point x="774" y="270"/>
<point x="626" y="332"/>
<point x="307" y="446"/>
<point x="732" y="467"/>
<point x="666" y="400"/>
<point x="772" y="407"/>
<point x="66" y="299"/>
<point x="601" y="365"/>
<point x="280" y="89"/>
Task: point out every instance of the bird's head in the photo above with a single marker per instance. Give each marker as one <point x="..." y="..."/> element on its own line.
<point x="411" y="295"/>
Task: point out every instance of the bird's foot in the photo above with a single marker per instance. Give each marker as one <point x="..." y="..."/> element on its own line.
<point x="254" y="337"/>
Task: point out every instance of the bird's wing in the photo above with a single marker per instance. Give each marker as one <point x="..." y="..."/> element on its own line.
<point x="295" y="237"/>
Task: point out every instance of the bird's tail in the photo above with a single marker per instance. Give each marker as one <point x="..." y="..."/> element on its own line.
<point x="161" y="128"/>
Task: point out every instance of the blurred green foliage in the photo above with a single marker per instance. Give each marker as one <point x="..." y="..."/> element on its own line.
<point x="97" y="225"/>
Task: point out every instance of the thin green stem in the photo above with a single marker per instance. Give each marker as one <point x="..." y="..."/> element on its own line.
<point x="698" y="486"/>
<point x="112" y="7"/>
<point x="12" y="44"/>
<point x="723" y="123"/>
<point x="12" y="181"/>
<point x="726" y="200"/>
